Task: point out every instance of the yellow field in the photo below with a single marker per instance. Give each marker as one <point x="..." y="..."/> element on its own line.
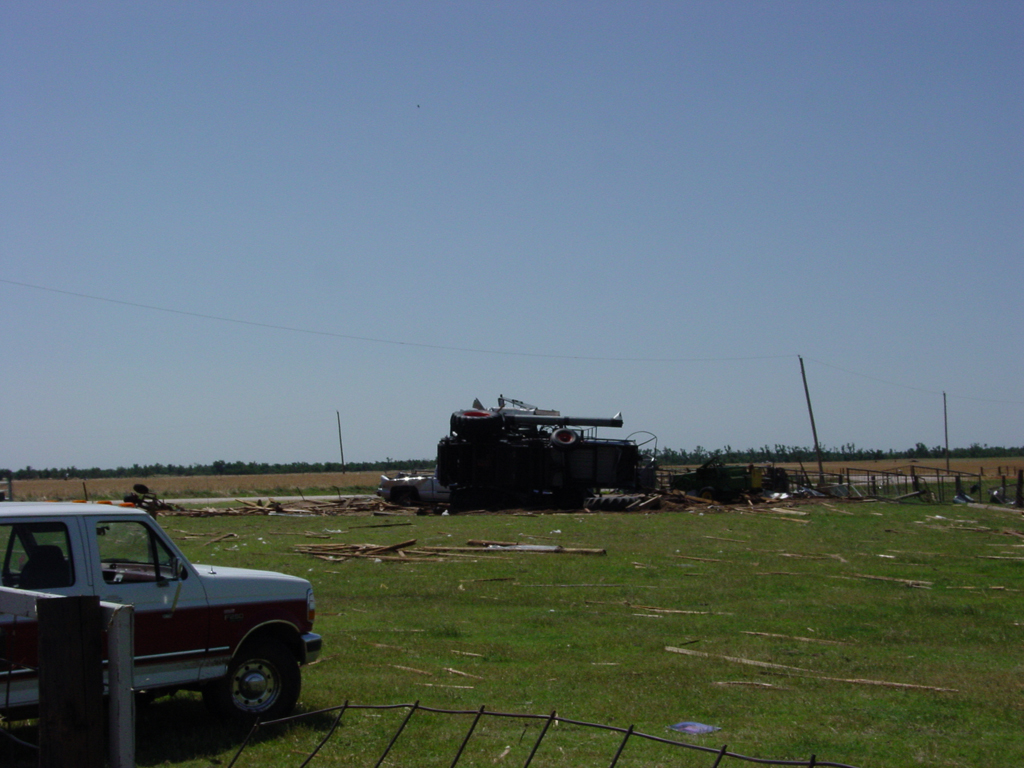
<point x="190" y="486"/>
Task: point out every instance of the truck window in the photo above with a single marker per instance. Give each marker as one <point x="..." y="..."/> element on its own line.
<point x="130" y="552"/>
<point x="37" y="556"/>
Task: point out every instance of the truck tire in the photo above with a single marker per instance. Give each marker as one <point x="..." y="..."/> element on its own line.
<point x="476" y="425"/>
<point x="263" y="681"/>
<point x="404" y="497"/>
<point x="564" y="438"/>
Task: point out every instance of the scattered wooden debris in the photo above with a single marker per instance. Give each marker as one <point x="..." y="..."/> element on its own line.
<point x="735" y="659"/>
<point x="372" y="505"/>
<point x="654" y="609"/>
<point x="516" y="546"/>
<point x="651" y="502"/>
<point x="352" y="505"/>
<point x="783" y="518"/>
<point x="222" y="537"/>
<point x="794" y="637"/>
<point x="407" y="551"/>
<point x="917" y="583"/>
<point x="883" y="683"/>
<point x="994" y="587"/>
<point x="452" y="671"/>
<point x="441" y="685"/>
<point x="809" y="674"/>
<point x="751" y="684"/>
<point x="412" y="669"/>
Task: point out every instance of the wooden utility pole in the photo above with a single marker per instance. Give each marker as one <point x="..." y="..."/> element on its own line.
<point x="945" y="426"/>
<point x="814" y="429"/>
<point x="340" y="444"/>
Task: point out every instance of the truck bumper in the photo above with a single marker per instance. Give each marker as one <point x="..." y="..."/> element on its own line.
<point x="311" y="643"/>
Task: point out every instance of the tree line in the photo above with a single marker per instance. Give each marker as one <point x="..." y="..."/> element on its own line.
<point x="666" y="456"/>
<point x="215" y="468"/>
<point x="782" y="454"/>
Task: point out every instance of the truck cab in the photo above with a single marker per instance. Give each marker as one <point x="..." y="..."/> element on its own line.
<point x="237" y="635"/>
<point x="419" y="487"/>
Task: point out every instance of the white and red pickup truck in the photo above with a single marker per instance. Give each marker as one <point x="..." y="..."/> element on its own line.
<point x="237" y="635"/>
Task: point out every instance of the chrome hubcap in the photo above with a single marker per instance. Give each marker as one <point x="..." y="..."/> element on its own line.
<point x="255" y="686"/>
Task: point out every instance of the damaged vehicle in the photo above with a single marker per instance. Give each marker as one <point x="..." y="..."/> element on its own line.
<point x="408" y="489"/>
<point x="519" y="455"/>
<point x="715" y="480"/>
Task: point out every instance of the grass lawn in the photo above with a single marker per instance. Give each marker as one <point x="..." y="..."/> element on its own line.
<point x="896" y="632"/>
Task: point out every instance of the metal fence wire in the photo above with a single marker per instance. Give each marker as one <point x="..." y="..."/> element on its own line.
<point x="715" y="756"/>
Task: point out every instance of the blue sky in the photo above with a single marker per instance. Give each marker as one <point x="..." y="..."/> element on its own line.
<point x="222" y="223"/>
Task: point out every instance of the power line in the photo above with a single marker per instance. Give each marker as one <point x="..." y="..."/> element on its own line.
<point x="393" y="342"/>
<point x="476" y="350"/>
<point x="914" y="389"/>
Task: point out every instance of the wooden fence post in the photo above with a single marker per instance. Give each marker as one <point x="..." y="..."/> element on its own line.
<point x="71" y="727"/>
<point x="1020" y="488"/>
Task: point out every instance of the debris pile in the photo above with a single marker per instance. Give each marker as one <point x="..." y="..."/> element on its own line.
<point x="351" y="505"/>
<point x="665" y="501"/>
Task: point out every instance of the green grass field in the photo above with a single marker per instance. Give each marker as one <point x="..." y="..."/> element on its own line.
<point x="896" y="632"/>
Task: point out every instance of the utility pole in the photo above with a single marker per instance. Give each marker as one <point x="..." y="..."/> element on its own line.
<point x="814" y="430"/>
<point x="340" y="444"/>
<point x="945" y="424"/>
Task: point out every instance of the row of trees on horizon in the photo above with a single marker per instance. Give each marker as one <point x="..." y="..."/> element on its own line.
<point x="784" y="454"/>
<point x="666" y="456"/>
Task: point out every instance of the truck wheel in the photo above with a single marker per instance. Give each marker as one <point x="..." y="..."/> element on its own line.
<point x="403" y="497"/>
<point x="475" y="425"/>
<point x="263" y="681"/>
<point x="564" y="438"/>
<point x="707" y="493"/>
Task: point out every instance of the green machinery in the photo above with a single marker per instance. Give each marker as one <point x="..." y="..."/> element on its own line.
<point x="716" y="481"/>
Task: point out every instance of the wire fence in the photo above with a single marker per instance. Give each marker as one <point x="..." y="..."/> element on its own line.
<point x="715" y="756"/>
<point x="934" y="485"/>
<point x="930" y="484"/>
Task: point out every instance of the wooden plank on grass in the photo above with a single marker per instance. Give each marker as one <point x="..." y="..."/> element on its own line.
<point x="413" y="669"/>
<point x="735" y="659"/>
<point x="883" y="683"/>
<point x="453" y="671"/>
<point x="390" y="548"/>
<point x="794" y="637"/>
<point x="222" y="537"/>
<point x="809" y="674"/>
<point x="909" y="582"/>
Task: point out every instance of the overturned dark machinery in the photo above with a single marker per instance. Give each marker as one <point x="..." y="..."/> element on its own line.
<point x="520" y="455"/>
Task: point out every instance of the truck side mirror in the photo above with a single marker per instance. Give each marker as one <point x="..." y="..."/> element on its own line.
<point x="178" y="569"/>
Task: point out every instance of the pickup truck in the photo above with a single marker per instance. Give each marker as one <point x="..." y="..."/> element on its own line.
<point x="237" y="635"/>
<point x="403" y="489"/>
